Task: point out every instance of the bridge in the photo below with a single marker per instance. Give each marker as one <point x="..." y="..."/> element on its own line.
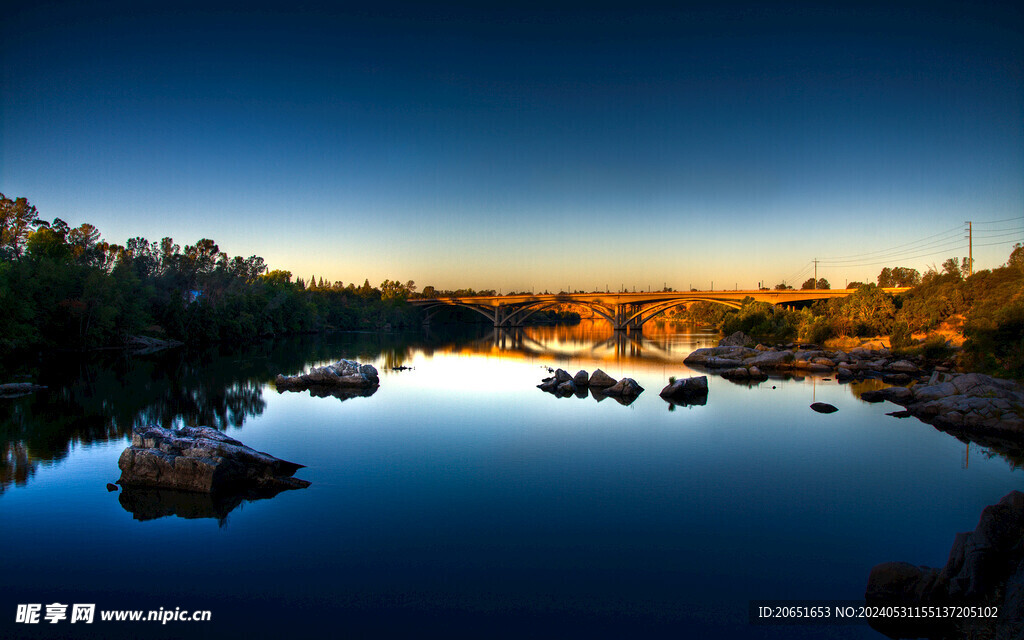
<point x="622" y="310"/>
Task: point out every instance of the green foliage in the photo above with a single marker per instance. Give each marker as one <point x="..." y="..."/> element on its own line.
<point x="900" y="338"/>
<point x="899" y="277"/>
<point x="65" y="287"/>
<point x="762" y="321"/>
<point x="935" y="347"/>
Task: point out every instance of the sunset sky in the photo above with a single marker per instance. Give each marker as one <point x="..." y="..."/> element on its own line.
<point x="529" y="146"/>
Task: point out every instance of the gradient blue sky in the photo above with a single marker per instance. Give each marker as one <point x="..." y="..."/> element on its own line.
<point x="538" y="146"/>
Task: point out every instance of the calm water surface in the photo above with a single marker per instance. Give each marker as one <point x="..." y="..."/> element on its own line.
<point x="461" y="499"/>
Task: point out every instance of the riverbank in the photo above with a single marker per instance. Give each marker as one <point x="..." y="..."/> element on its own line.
<point x="971" y="405"/>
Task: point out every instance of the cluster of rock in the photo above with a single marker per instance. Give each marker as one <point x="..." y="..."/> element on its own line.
<point x="985" y="567"/>
<point x="967" y="402"/>
<point x="201" y="459"/>
<point x="687" y="391"/>
<point x="563" y="384"/>
<point x="755" y="363"/>
<point x="344" y="374"/>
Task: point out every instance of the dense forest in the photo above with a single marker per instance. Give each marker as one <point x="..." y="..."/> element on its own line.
<point x="986" y="307"/>
<point x="64" y="287"/>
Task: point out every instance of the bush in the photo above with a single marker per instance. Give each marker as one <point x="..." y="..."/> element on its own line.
<point x="901" y="337"/>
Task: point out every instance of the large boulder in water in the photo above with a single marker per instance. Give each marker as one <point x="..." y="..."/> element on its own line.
<point x="201" y="459"/>
<point x="684" y="390"/>
<point x="341" y="374"/>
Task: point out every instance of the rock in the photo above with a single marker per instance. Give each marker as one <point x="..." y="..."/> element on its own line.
<point x="562" y="375"/>
<point x="581" y="379"/>
<point x="738" y="339"/>
<point x="772" y="360"/>
<point x="899" y="414"/>
<point x="201" y="459"/>
<point x="823" y="407"/>
<point x="111" y="486"/>
<point x="685" y="390"/>
<point x="548" y="384"/>
<point x="739" y="373"/>
<point x="341" y="374"/>
<point x="842" y="373"/>
<point x="757" y="374"/>
<point x="566" y="388"/>
<point x="625" y="388"/>
<point x="985" y="567"/>
<point x="600" y="379"/>
<point x="903" y="366"/>
<point x="893" y="394"/>
<point x="18" y="389"/>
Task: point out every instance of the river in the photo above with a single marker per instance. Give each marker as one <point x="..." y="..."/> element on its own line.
<point x="460" y="499"/>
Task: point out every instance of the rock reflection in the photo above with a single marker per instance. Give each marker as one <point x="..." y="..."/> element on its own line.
<point x="149" y="504"/>
<point x="335" y="392"/>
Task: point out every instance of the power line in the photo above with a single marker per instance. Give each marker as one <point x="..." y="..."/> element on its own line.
<point x="993" y="244"/>
<point x="949" y="232"/>
<point x="998" y="221"/>
<point x="901" y="259"/>
<point x="948" y="245"/>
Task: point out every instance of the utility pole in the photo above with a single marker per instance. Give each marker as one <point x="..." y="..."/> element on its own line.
<point x="815" y="274"/>
<point x="970" y="249"/>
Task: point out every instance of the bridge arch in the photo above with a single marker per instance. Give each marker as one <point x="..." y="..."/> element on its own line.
<point x="648" y="313"/>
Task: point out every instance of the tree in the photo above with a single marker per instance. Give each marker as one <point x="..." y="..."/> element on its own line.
<point x="899" y="277"/>
<point x="808" y="284"/>
<point x="782" y="286"/>
<point x="855" y="285"/>
<point x="823" y="284"/>
<point x="1016" y="260"/>
<point x="18" y="219"/>
<point x="953" y="268"/>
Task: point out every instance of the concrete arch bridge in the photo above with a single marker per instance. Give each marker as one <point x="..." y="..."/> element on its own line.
<point x="622" y="310"/>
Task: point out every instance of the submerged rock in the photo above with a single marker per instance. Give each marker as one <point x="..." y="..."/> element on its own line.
<point x="201" y="459"/>
<point x="824" y="407"/>
<point x="341" y="374"/>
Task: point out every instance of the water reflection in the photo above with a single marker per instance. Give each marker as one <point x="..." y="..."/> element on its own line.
<point x="596" y="340"/>
<point x="97" y="398"/>
<point x="146" y="503"/>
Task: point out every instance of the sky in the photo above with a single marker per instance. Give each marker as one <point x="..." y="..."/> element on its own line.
<point x="548" y="146"/>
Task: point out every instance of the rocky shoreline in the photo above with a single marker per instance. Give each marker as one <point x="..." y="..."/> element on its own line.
<point x="966" y="404"/>
<point x="985" y="569"/>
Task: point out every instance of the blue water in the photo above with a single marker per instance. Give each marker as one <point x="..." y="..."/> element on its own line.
<point x="460" y="499"/>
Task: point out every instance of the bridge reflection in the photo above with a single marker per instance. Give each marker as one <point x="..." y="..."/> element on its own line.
<point x="594" y="342"/>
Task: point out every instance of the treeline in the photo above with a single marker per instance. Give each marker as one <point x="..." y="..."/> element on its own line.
<point x="64" y="287"/>
<point x="987" y="307"/>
